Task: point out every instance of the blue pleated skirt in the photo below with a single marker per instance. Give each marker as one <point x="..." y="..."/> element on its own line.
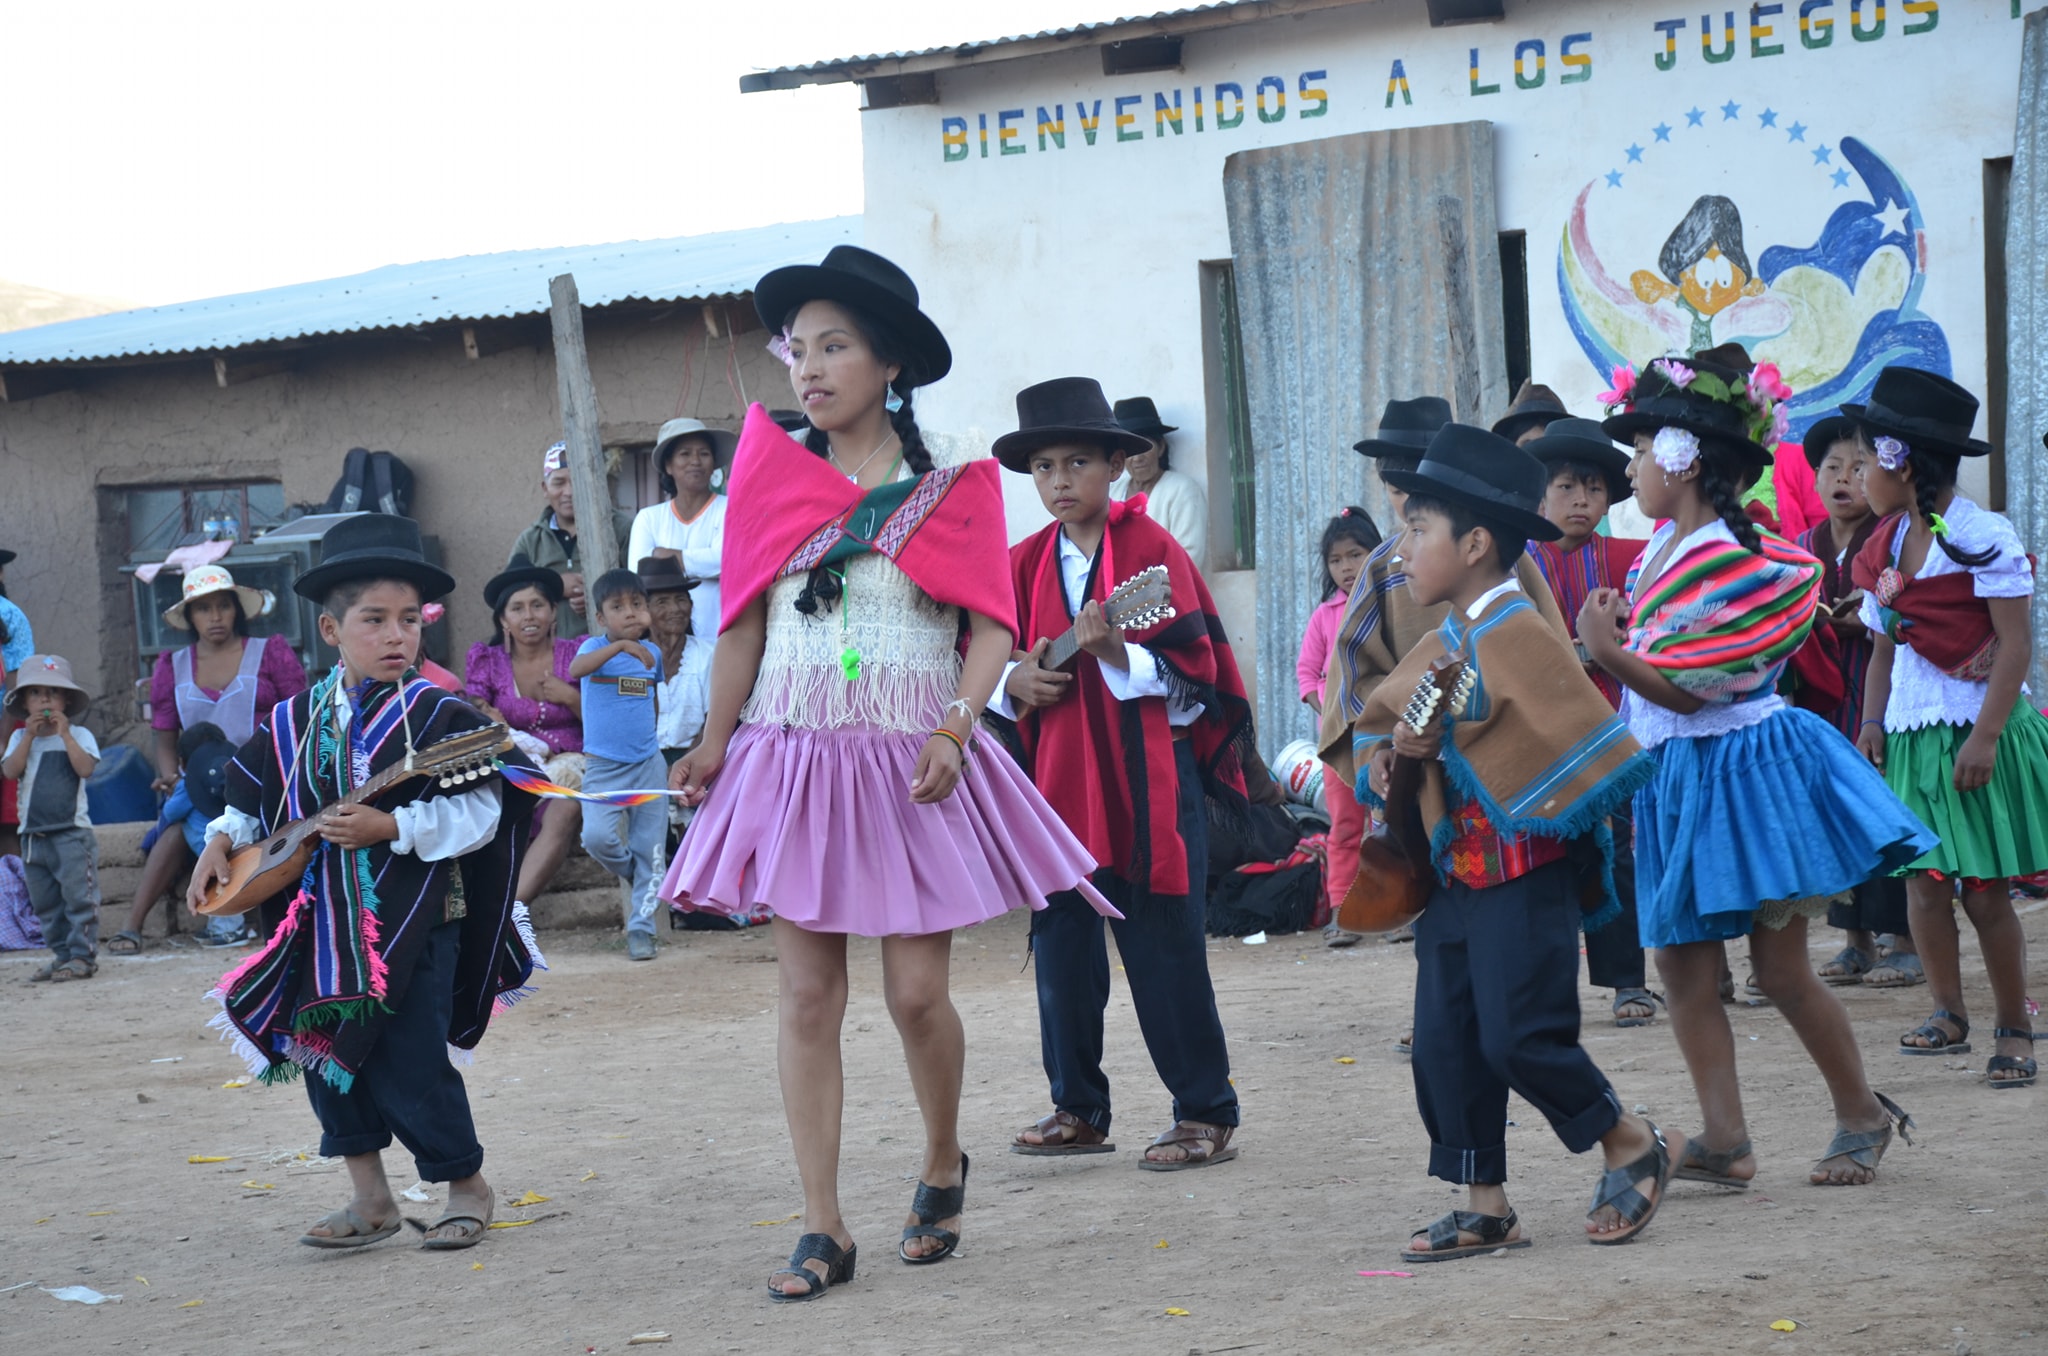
<point x="1784" y="810"/>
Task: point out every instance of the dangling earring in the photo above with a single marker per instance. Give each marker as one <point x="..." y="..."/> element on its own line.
<point x="718" y="479"/>
<point x="892" y="402"/>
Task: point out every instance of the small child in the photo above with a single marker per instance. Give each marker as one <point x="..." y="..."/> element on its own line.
<point x="1348" y="542"/>
<point x="183" y="819"/>
<point x="620" y="748"/>
<point x="52" y="757"/>
<point x="1840" y="645"/>
<point x="1945" y="713"/>
<point x="1516" y="787"/>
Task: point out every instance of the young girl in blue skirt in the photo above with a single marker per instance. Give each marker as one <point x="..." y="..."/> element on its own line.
<point x="1759" y="811"/>
<point x="1947" y="586"/>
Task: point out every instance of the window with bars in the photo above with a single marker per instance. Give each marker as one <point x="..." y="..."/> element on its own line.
<point x="162" y="517"/>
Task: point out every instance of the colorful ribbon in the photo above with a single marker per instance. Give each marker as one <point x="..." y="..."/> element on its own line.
<point x="534" y="784"/>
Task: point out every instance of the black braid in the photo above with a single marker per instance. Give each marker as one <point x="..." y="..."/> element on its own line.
<point x="1718" y="471"/>
<point x="915" y="455"/>
<point x="1931" y="475"/>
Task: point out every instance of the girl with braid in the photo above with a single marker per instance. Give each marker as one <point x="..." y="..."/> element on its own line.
<point x="1944" y="710"/>
<point x="838" y="775"/>
<point x="1759" y="812"/>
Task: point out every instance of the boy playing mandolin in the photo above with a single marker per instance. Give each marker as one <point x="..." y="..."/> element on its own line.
<point x="1516" y="785"/>
<point x="402" y="936"/>
<point x="1124" y="746"/>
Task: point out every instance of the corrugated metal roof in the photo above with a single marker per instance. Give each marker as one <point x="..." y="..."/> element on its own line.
<point x="472" y="287"/>
<point x="1193" y="18"/>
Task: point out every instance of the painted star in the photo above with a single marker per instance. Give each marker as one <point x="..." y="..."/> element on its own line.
<point x="1892" y="220"/>
<point x="1769" y="117"/>
<point x="1663" y="131"/>
<point x="1614" y="178"/>
<point x="1730" y="111"/>
<point x="1796" y="132"/>
<point x="1821" y="155"/>
<point x="1693" y="116"/>
<point x="1635" y="154"/>
<point x="1841" y="178"/>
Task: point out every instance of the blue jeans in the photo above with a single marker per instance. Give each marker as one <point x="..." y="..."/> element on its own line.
<point x="1166" y="960"/>
<point x="624" y="839"/>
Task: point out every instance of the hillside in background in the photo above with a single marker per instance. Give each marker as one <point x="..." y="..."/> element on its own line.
<point x="22" y="306"/>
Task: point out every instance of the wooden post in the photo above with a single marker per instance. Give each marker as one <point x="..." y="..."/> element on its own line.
<point x="597" y="550"/>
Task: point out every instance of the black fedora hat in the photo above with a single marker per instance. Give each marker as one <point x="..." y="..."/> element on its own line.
<point x="1064" y="410"/>
<point x="659" y="574"/>
<point x="1658" y="401"/>
<point x="1824" y="434"/>
<point x="1923" y="410"/>
<point x="206" y="777"/>
<point x="374" y="546"/>
<point x="1406" y="426"/>
<point x="1141" y="416"/>
<point x="521" y="573"/>
<point x="1534" y="404"/>
<point x="1499" y="482"/>
<point x="6" y="557"/>
<point x="1581" y="440"/>
<point x="867" y="282"/>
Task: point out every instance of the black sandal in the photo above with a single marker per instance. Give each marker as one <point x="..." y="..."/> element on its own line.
<point x="1865" y="1148"/>
<point x="1941" y="1043"/>
<point x="1617" y="1192"/>
<point x="1698" y="1163"/>
<point x="2022" y="1064"/>
<point x="1491" y="1230"/>
<point x="824" y="1248"/>
<point x="932" y="1204"/>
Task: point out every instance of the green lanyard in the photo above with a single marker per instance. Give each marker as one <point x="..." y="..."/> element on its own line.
<point x="863" y="526"/>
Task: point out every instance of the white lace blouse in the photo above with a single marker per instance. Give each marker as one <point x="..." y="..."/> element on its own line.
<point x="1922" y="695"/>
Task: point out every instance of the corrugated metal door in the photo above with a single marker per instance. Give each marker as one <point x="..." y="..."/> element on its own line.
<point x="2026" y="321"/>
<point x="1367" y="269"/>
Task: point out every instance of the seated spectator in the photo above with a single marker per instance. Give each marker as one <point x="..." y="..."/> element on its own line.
<point x="689" y="526"/>
<point x="551" y="540"/>
<point x="685" y="691"/>
<point x="520" y="678"/>
<point x="179" y="837"/>
<point x="1174" y="501"/>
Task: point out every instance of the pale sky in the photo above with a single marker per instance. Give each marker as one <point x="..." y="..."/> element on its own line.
<point x="160" y="153"/>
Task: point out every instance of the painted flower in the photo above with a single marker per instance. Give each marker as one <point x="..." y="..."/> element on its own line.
<point x="1624" y="388"/>
<point x="1891" y="453"/>
<point x="779" y="345"/>
<point x="1675" y="449"/>
<point x="1675" y="372"/>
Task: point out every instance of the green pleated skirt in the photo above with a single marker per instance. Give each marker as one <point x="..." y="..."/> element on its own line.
<point x="1997" y="831"/>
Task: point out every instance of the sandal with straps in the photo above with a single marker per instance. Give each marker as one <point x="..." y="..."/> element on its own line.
<point x="1616" y="1191"/>
<point x="1849" y="966"/>
<point x="1491" y="1230"/>
<point x="932" y="1204"/>
<point x="821" y="1247"/>
<point x="1939" y="1041"/>
<point x="1189" y="1134"/>
<point x="1865" y="1148"/>
<point x="1716" y="1167"/>
<point x="1061" y="1135"/>
<point x="1636" y="997"/>
<point x="2023" y="1065"/>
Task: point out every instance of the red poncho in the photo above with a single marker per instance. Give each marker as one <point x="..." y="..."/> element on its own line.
<point x="1107" y="766"/>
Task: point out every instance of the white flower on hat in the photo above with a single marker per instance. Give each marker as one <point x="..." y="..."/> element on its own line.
<point x="1675" y="449"/>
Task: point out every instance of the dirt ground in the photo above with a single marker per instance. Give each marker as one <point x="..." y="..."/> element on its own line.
<point x="641" y="1101"/>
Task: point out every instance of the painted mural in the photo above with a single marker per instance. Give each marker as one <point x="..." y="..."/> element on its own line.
<point x="1747" y="224"/>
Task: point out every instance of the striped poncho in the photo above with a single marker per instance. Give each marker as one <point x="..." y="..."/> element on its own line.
<point x="1721" y="621"/>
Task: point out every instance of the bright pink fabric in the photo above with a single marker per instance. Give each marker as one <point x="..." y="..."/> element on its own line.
<point x="279" y="677"/>
<point x="1799" y="505"/>
<point x="1317" y="644"/>
<point x="1347" y="831"/>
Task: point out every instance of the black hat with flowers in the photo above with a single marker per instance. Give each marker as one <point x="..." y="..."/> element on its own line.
<point x="1712" y="401"/>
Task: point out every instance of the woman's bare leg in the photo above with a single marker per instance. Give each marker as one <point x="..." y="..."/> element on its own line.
<point x="915" y="972"/>
<point x="812" y="968"/>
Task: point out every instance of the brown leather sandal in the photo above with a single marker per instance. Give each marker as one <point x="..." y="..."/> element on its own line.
<point x="1061" y="1135"/>
<point x="1214" y="1142"/>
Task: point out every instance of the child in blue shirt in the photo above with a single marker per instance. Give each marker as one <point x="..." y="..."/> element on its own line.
<point x="194" y="802"/>
<point x="619" y="679"/>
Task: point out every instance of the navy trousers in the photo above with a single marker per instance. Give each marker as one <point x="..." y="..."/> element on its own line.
<point x="407" y="1087"/>
<point x="1614" y="953"/>
<point x="1497" y="1007"/>
<point x="1165" y="953"/>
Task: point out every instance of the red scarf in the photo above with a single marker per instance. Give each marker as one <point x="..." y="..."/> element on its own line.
<point x="1107" y="766"/>
<point x="787" y="508"/>
<point x="1941" y="617"/>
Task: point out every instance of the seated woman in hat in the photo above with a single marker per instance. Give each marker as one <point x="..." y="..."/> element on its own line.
<point x="841" y="717"/>
<point x="689" y="524"/>
<point x="1173" y="499"/>
<point x="520" y="678"/>
<point x="224" y="678"/>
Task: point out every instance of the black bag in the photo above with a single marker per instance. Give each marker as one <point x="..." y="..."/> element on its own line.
<point x="1260" y="833"/>
<point x="1272" y="902"/>
<point x="373" y="482"/>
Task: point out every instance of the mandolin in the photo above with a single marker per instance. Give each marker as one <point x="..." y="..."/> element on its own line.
<point x="271" y="866"/>
<point x="1395" y="874"/>
<point x="1145" y="599"/>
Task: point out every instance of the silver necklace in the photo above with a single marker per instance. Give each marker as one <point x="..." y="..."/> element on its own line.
<point x="854" y="474"/>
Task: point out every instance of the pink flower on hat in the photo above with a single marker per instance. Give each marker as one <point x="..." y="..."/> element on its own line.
<point x="1766" y="384"/>
<point x="779" y="345"/>
<point x="1675" y="372"/>
<point x="1624" y="389"/>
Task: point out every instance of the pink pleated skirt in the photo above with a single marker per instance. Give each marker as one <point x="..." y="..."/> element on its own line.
<point x="818" y="825"/>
